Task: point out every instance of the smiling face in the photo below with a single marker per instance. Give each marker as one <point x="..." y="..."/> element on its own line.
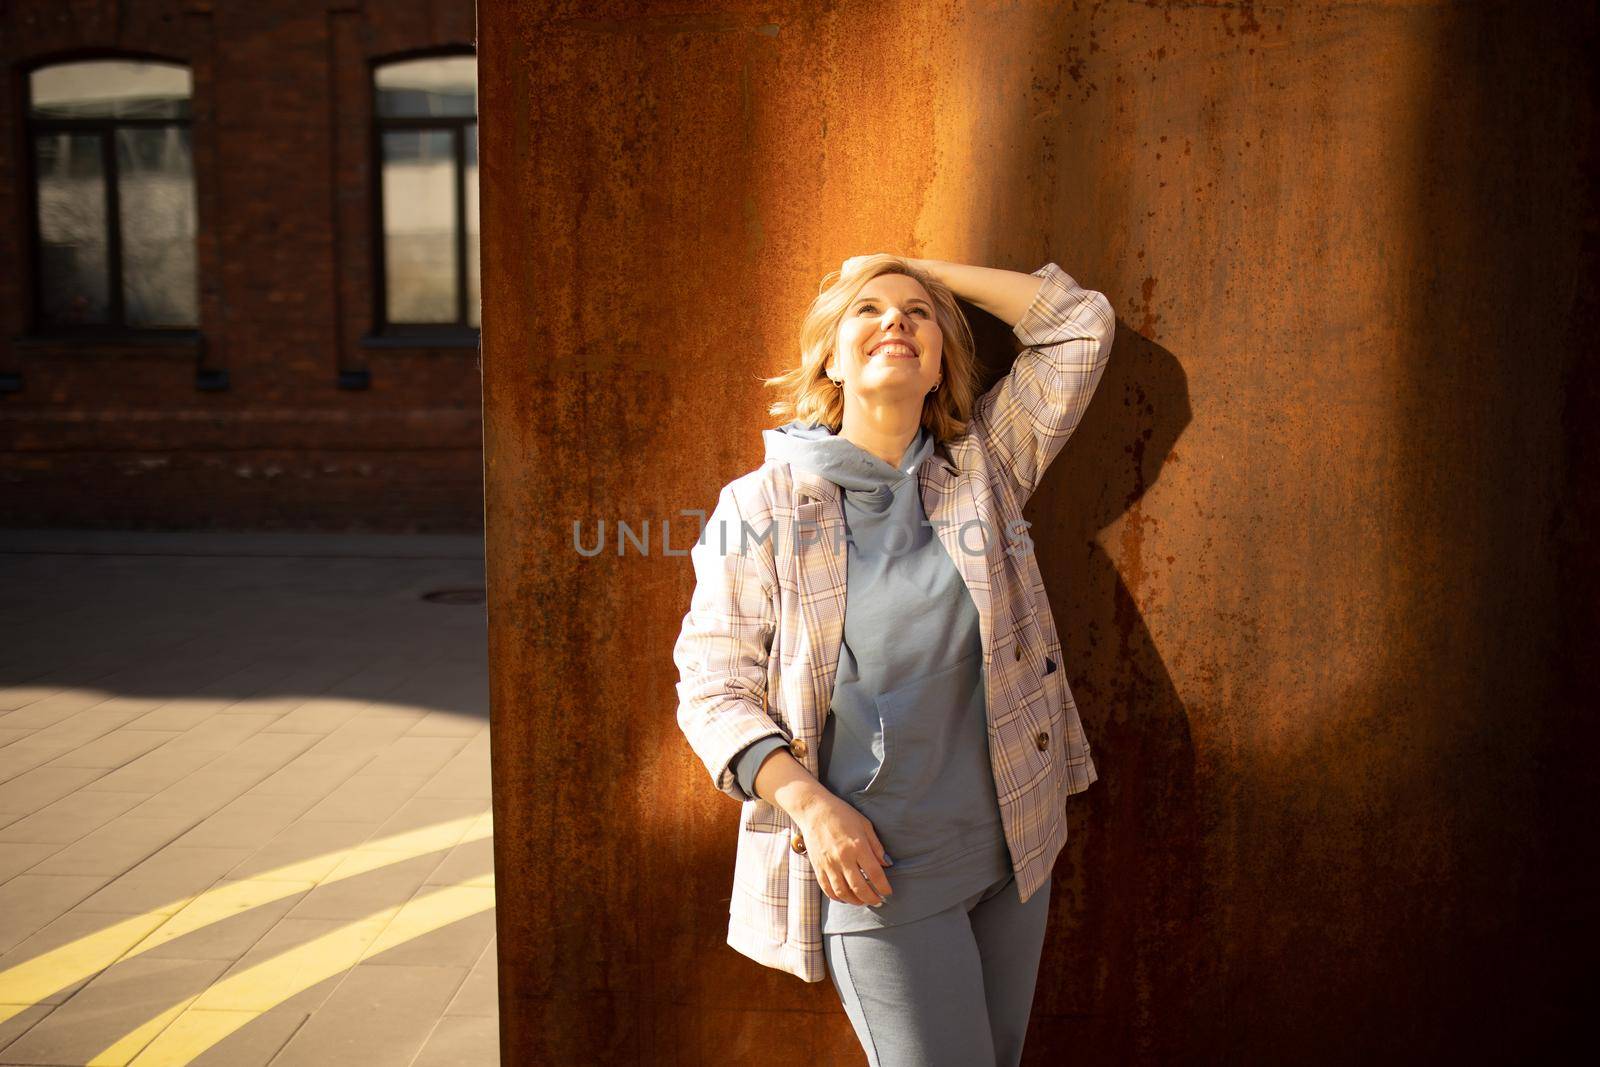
<point x="889" y="346"/>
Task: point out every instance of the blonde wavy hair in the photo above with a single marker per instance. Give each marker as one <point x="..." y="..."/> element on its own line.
<point x="808" y="395"/>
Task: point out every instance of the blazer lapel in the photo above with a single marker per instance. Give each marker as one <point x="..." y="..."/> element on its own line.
<point x="950" y="500"/>
<point x="817" y="538"/>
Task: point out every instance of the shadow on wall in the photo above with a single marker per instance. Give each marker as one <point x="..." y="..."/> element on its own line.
<point x="1132" y="913"/>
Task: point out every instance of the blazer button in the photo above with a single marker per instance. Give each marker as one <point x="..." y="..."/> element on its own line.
<point x="798" y="844"/>
<point x="1043" y="740"/>
<point x="1017" y="650"/>
<point x="798" y="748"/>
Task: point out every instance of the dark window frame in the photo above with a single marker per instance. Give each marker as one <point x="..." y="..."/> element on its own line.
<point x="39" y="326"/>
<point x="456" y="126"/>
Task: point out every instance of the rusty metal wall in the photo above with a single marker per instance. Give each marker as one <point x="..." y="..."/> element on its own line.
<point x="1319" y="554"/>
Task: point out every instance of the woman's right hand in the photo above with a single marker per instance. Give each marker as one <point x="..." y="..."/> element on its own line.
<point x="845" y="852"/>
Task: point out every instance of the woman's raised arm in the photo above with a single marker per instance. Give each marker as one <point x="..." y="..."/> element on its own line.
<point x="1026" y="417"/>
<point x="1005" y="294"/>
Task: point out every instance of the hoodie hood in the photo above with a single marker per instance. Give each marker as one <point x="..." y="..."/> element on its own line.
<point x="867" y="481"/>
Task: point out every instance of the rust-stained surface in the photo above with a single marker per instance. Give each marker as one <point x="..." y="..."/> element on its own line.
<point x="1318" y="553"/>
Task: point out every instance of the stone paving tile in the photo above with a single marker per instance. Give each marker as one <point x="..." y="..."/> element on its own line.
<point x="73" y="816"/>
<point x="69" y="701"/>
<point x="46" y="664"/>
<point x="33" y="790"/>
<point x="230" y="938"/>
<point x="180" y="714"/>
<point x="366" y="796"/>
<point x="320" y="716"/>
<point x="458" y="783"/>
<point x="377" y="1015"/>
<point x="29" y="902"/>
<point x="453" y="683"/>
<point x="151" y="772"/>
<point x="302" y="842"/>
<point x="21" y="1023"/>
<point x="456" y="787"/>
<point x="469" y="863"/>
<point x="291" y="697"/>
<point x="56" y="744"/>
<point x="111" y="713"/>
<point x="461" y="1039"/>
<point x="279" y="684"/>
<point x="113" y="749"/>
<point x="223" y="731"/>
<point x="17" y="857"/>
<point x="121" y="998"/>
<point x="458" y="944"/>
<point x="258" y="1041"/>
<point x="479" y="994"/>
<point x="447" y="724"/>
<point x="21" y="695"/>
<point x="67" y="929"/>
<point x="261" y="755"/>
<point x="415" y="756"/>
<point x="289" y="933"/>
<point x="27" y="755"/>
<point x="166" y="880"/>
<point x="358" y="895"/>
<point x="50" y="710"/>
<point x="118" y="846"/>
<point x="311" y="774"/>
<point x="366" y="734"/>
<point x="386" y="673"/>
<point x="246" y="818"/>
<point x="196" y="797"/>
<point x="417" y="813"/>
<point x="349" y="698"/>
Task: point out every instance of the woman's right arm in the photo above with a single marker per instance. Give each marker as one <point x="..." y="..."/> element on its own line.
<point x="841" y="841"/>
<point x="723" y="647"/>
<point x="722" y="654"/>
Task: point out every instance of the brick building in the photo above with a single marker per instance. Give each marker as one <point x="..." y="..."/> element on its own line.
<point x="239" y="245"/>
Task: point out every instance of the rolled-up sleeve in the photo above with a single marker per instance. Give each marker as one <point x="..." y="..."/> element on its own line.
<point x="1027" y="416"/>
<point x="722" y="650"/>
<point x="751" y="759"/>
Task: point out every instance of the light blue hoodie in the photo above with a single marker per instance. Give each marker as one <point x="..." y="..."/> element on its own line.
<point x="907" y="739"/>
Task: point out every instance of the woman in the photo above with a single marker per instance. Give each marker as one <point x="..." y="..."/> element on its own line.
<point x="869" y="662"/>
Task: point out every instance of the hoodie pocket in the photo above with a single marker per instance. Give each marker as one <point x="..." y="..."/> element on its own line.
<point x="920" y="728"/>
<point x="933" y="795"/>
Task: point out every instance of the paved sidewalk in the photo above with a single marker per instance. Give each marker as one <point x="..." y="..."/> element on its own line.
<point x="244" y="800"/>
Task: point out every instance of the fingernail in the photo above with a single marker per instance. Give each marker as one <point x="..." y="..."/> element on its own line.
<point x="887" y="861"/>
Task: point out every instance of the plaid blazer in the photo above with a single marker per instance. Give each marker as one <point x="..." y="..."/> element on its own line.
<point x="759" y="647"/>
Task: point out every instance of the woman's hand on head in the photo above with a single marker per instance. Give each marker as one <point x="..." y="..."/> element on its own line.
<point x="855" y="261"/>
<point x="846" y="854"/>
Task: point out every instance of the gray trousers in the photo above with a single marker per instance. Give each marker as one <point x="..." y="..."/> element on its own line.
<point x="954" y="988"/>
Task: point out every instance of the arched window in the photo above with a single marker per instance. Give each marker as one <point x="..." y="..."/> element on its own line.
<point x="427" y="145"/>
<point x="114" y="205"/>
